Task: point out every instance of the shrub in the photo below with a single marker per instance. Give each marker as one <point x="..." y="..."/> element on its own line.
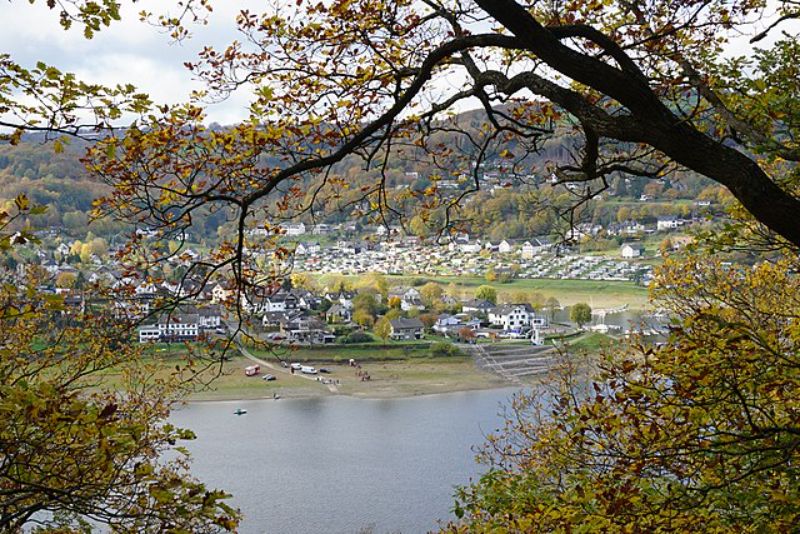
<point x="441" y="348"/>
<point x="357" y="337"/>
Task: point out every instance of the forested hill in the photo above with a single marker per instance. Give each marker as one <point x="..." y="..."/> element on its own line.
<point x="57" y="180"/>
<point x="499" y="211"/>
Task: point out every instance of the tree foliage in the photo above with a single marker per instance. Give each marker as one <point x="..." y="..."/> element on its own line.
<point x="700" y="434"/>
<point x="76" y="447"/>
<point x="642" y="90"/>
<point x="431" y="294"/>
<point x="383" y="328"/>
<point x="486" y="293"/>
<point x="580" y="314"/>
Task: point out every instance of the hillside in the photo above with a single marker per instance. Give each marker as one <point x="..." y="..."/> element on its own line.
<point x="506" y="207"/>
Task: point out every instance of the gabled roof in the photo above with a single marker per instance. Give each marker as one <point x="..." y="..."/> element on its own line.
<point x="209" y="311"/>
<point x="480" y="304"/>
<point x="508" y="308"/>
<point x="336" y="308"/>
<point x="406" y="324"/>
<point x="179" y="318"/>
<point x="636" y="246"/>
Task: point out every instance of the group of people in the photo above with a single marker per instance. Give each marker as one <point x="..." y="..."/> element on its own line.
<point x="363" y="375"/>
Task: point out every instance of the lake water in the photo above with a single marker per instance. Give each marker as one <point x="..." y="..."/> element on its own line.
<point x="339" y="464"/>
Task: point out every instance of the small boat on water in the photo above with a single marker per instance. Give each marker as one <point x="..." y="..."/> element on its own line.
<point x="239" y="411"/>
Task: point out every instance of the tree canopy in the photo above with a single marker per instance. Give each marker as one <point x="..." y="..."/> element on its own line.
<point x="698" y="435"/>
<point x="76" y="447"/>
<point x="641" y="90"/>
<point x="644" y="90"/>
<point x="580" y="313"/>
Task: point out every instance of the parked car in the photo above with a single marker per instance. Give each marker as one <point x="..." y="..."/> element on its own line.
<point x="284" y="364"/>
<point x="307" y="370"/>
<point x="296" y="366"/>
<point x="270" y="378"/>
<point x="324" y="370"/>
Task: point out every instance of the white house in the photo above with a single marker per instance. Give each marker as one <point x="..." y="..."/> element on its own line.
<point x="321" y="229"/>
<point x="275" y="303"/>
<point x="473" y="247"/>
<point x="527" y="251"/>
<point x="338" y="314"/>
<point x="293" y="229"/>
<point x="62" y="250"/>
<point x="512" y="316"/>
<point x="633" y="228"/>
<point x="309" y="330"/>
<point x="220" y="294"/>
<point x="408" y="304"/>
<point x="540" y="245"/>
<point x="504" y="247"/>
<point x="404" y="293"/>
<point x="144" y="288"/>
<point x="667" y="223"/>
<point x="447" y="323"/>
<point x="172" y="327"/>
<point x="210" y="317"/>
<point x="631" y="250"/>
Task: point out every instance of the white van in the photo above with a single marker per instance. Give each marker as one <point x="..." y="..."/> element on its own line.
<point x="308" y="370"/>
<point x="296" y="366"/>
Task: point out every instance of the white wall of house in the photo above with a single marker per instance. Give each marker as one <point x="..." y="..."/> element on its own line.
<point x="274" y="306"/>
<point x="515" y="318"/>
<point x="629" y="252"/>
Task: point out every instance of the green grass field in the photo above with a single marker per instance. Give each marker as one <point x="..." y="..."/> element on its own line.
<point x="336" y="353"/>
<point x="597" y="293"/>
<point x="591" y="342"/>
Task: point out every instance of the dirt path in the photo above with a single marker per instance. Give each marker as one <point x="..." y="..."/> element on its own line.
<point x="279" y="369"/>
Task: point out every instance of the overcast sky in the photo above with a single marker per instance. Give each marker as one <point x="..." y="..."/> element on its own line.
<point x="130" y="51"/>
<point x="127" y="51"/>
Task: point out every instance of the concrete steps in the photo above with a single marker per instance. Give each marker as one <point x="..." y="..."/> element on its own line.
<point x="512" y="362"/>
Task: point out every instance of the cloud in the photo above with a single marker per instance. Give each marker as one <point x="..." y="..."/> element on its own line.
<point x="128" y="51"/>
<point x="133" y="52"/>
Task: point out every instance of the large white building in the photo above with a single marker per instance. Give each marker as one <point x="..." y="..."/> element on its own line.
<point x="293" y="229"/>
<point x="668" y="223"/>
<point x="172" y="327"/>
<point x="513" y="316"/>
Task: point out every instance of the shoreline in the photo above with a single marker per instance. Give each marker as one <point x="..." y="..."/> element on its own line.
<point x="387" y="379"/>
<point x="359" y="395"/>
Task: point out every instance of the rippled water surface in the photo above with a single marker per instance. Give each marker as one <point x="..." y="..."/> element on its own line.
<point x="338" y="464"/>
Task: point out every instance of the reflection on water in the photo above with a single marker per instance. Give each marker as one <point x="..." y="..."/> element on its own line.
<point x="337" y="464"/>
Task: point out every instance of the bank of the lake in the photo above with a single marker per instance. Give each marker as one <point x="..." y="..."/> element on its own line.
<point x="394" y="371"/>
<point x="339" y="465"/>
<point x="388" y="378"/>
